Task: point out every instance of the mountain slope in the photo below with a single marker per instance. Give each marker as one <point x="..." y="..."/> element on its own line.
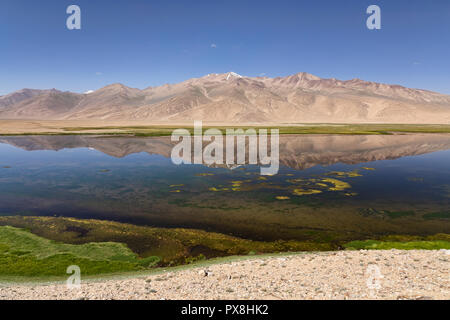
<point x="19" y="96"/>
<point x="229" y="97"/>
<point x="47" y="104"/>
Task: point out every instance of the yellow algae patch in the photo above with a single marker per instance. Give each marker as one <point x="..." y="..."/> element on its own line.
<point x="218" y="189"/>
<point x="204" y="174"/>
<point x="282" y="198"/>
<point x="322" y="185"/>
<point x="262" y="178"/>
<point x="294" y="180"/>
<point x="301" y="192"/>
<point x="350" y="194"/>
<point x="176" y="185"/>
<point x="338" y="185"/>
<point x="176" y="191"/>
<point x="352" y="174"/>
<point x="366" y="168"/>
<point x="289" y="174"/>
<point x="349" y="174"/>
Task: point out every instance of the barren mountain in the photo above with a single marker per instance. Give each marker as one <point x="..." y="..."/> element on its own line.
<point x="229" y="97"/>
<point x="19" y="96"/>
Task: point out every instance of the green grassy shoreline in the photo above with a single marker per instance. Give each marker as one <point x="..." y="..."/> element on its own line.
<point x="46" y="280"/>
<point x="39" y="249"/>
<point x="158" y="131"/>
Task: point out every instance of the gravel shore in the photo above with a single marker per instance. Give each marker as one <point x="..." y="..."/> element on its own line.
<point x="390" y="274"/>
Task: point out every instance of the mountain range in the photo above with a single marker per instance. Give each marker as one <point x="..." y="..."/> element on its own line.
<point x="232" y="98"/>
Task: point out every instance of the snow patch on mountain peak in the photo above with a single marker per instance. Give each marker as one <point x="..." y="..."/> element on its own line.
<point x="233" y="74"/>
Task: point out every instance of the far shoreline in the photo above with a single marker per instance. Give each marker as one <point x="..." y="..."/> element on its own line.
<point x="149" y="129"/>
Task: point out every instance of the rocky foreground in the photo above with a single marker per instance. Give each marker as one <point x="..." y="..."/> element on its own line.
<point x="390" y="274"/>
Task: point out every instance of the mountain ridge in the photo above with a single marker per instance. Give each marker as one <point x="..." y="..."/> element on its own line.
<point x="230" y="97"/>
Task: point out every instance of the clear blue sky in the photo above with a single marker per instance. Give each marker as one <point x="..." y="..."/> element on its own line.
<point x="150" y="42"/>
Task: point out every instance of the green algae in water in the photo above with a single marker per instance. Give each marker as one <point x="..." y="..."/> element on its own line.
<point x="388" y="245"/>
<point x="437" y="215"/>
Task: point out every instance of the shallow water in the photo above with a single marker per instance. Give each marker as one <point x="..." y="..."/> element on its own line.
<point x="329" y="187"/>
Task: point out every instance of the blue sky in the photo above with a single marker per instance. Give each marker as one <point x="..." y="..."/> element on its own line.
<point x="144" y="43"/>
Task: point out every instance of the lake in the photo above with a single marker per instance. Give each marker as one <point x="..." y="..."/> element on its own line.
<point x="328" y="188"/>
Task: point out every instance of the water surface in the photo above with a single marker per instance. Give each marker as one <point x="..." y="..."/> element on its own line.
<point x="329" y="187"/>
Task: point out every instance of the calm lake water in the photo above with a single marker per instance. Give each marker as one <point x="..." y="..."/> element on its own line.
<point x="328" y="186"/>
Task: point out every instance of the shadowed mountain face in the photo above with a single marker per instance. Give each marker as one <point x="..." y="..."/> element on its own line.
<point x="231" y="98"/>
<point x="296" y="151"/>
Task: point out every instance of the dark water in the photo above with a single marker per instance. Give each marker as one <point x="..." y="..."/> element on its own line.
<point x="328" y="187"/>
